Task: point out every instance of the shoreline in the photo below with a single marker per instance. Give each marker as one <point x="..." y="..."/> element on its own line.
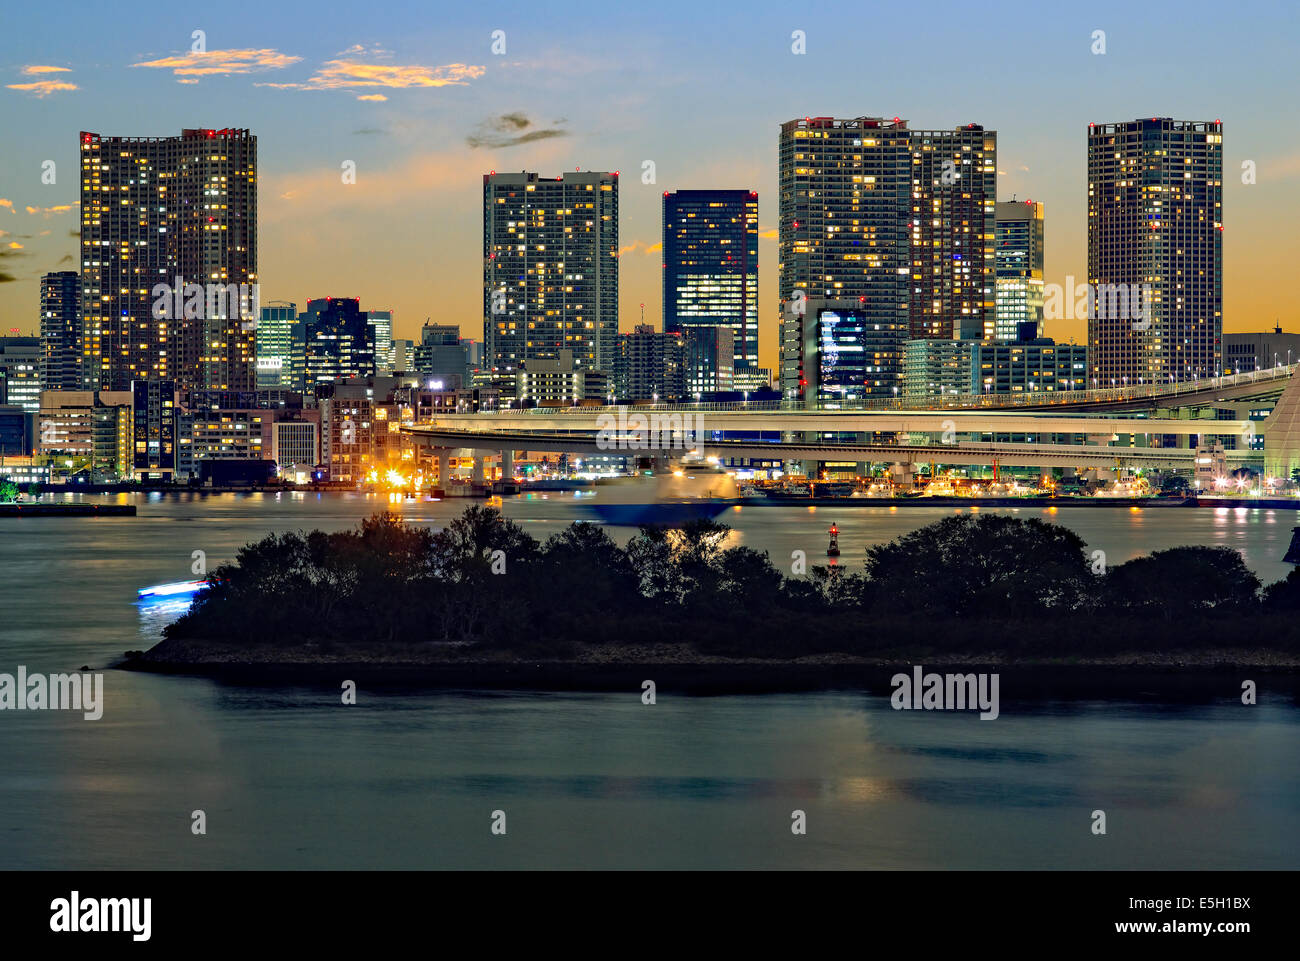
<point x="1192" y="502"/>
<point x="1139" y="675"/>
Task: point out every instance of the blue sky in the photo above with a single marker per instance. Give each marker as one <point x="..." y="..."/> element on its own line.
<point x="700" y="89"/>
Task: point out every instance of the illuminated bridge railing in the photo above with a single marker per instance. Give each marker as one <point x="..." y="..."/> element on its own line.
<point x="1054" y="398"/>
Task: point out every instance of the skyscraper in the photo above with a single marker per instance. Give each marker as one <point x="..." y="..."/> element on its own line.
<point x="1155" y="222"/>
<point x="168" y="211"/>
<point x="61" y="331"/>
<point x="710" y="257"/>
<point x="1018" y="293"/>
<point x="550" y="269"/>
<point x="899" y="221"/>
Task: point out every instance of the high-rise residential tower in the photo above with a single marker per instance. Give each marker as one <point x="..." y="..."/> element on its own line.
<point x="550" y="270"/>
<point x="1018" y="291"/>
<point x="710" y="258"/>
<point x="899" y="221"/>
<point x="179" y="212"/>
<point x="61" y="331"/>
<point x="1155" y="250"/>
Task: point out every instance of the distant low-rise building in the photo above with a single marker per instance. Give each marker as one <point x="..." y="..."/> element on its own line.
<point x="87" y="430"/>
<point x="558" y="382"/>
<point x="20" y="372"/>
<point x="651" y="365"/>
<point x="937" y="368"/>
<point x="1243" y="353"/>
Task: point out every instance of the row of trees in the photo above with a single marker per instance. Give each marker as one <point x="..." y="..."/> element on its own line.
<point x="483" y="581"/>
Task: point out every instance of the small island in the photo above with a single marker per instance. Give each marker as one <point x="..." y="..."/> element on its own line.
<point x="482" y="604"/>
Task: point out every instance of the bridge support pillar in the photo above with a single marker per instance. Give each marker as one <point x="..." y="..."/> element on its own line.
<point x="444" y="467"/>
<point x="479" y="458"/>
<point x="1281" y="431"/>
<point x="903" y="474"/>
<point x="507" y="464"/>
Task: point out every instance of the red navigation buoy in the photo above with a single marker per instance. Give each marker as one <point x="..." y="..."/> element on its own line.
<point x="834" y="549"/>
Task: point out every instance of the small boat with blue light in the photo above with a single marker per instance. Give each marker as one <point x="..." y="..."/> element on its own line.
<point x="176" y="589"/>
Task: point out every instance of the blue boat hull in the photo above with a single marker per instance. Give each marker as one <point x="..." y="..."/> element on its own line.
<point x="669" y="514"/>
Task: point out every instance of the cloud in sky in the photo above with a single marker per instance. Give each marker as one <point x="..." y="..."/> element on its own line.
<point x="646" y="249"/>
<point x="7" y="203"/>
<point x="42" y="88"/>
<point x="356" y="74"/>
<point x="6" y="256"/>
<point x="371" y="96"/>
<point x="510" y="130"/>
<point x="217" y="63"/>
<point x="49" y="211"/>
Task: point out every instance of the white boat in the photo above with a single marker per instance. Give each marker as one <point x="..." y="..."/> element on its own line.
<point x="688" y="492"/>
<point x="1125" y="487"/>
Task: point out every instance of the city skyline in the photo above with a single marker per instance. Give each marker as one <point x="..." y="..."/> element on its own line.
<point x="452" y="111"/>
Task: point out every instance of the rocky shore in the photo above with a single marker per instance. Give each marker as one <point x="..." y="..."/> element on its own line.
<point x="676" y="667"/>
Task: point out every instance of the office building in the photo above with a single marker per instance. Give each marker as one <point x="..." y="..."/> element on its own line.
<point x="20" y="372"/>
<point x="61" y="331"/>
<point x="403" y="356"/>
<point x="558" y="382"/>
<point x="943" y="368"/>
<point x="382" y="322"/>
<point x="1155" y="222"/>
<point x="338" y="341"/>
<point x="443" y="356"/>
<point x="275" y="346"/>
<point x="850" y="355"/>
<point x="1243" y="353"/>
<point x="550" y="270"/>
<point x="169" y="259"/>
<point x="710" y="265"/>
<point x="1018" y="286"/>
<point x="710" y="360"/>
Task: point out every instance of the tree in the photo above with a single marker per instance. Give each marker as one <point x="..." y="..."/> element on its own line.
<point x="986" y="564"/>
<point x="1180" y="581"/>
<point x="8" y="492"/>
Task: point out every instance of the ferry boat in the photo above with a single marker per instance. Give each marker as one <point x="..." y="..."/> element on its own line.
<point x="688" y="492"/>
